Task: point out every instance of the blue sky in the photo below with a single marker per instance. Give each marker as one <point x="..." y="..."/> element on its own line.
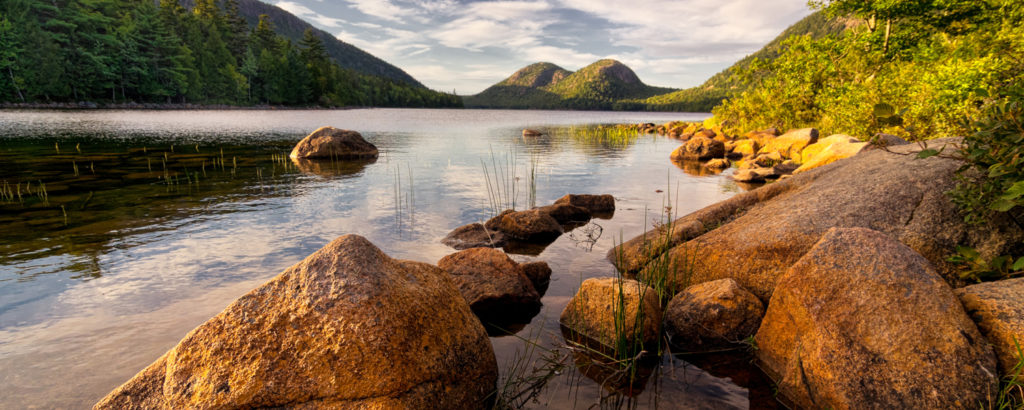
<point x="468" y="45"/>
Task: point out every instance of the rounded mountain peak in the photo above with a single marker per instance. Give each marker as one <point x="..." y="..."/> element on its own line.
<point x="611" y="68"/>
<point x="537" y="75"/>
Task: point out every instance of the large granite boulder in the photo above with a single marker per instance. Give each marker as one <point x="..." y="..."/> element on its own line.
<point x="700" y="149"/>
<point x="493" y="284"/>
<point x="998" y="309"/>
<point x="790" y="144"/>
<point x="532" y="225"/>
<point x="592" y="312"/>
<point x="712" y="315"/>
<point x="596" y="204"/>
<point x="755" y="236"/>
<point x="348" y="327"/>
<point x="333" y="143"/>
<point x="863" y="321"/>
<point x="474" y="235"/>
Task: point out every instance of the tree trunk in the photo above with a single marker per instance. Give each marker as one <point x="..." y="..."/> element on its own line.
<point x="15" y="84"/>
<point x="888" y="29"/>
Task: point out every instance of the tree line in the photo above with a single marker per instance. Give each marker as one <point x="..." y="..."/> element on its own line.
<point x="143" y="51"/>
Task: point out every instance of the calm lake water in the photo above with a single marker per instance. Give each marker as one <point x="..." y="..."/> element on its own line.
<point x="122" y="230"/>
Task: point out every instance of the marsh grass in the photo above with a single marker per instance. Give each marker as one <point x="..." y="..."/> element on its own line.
<point x="503" y="182"/>
<point x="612" y="136"/>
<point x="1011" y="388"/>
<point x="528" y="372"/>
<point x="404" y="197"/>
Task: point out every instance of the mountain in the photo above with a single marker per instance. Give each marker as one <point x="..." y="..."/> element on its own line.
<point x="704" y="97"/>
<point x="345" y="55"/>
<point x="608" y="84"/>
<point x="601" y="85"/>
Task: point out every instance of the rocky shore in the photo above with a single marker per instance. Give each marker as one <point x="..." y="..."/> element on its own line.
<point x="836" y="276"/>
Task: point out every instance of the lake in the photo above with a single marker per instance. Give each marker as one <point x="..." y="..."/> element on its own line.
<point x="120" y="231"/>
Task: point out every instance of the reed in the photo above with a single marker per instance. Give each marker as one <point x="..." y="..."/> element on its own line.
<point x="528" y="371"/>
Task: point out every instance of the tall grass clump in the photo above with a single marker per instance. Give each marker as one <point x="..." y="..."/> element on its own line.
<point x="1011" y="388"/>
<point x="500" y="177"/>
<point x="528" y="372"/>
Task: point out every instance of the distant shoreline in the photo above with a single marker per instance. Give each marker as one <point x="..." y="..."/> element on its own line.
<point x="161" y="106"/>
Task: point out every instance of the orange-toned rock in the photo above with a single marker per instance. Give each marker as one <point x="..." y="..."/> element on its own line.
<point x="348" y="327"/>
<point x="712" y="315"/>
<point x="492" y="283"/>
<point x="596" y="204"/>
<point x="333" y="143"/>
<point x="566" y="213"/>
<point x="755" y="236"/>
<point x="532" y="225"/>
<point x="863" y="321"/>
<point x="790" y="144"/>
<point x="718" y="163"/>
<point x="699" y="148"/>
<point x="474" y="235"/>
<point x="746" y="148"/>
<point x="998" y="309"/>
<point x="592" y="312"/>
<point x="539" y="274"/>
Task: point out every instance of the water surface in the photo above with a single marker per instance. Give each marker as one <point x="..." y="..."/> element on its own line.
<point x="129" y="228"/>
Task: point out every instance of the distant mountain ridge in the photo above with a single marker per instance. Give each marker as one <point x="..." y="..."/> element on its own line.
<point x="609" y="84"/>
<point x="601" y="85"/>
<point x="345" y="55"/>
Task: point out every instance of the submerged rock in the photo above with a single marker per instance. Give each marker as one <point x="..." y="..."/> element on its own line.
<point x="596" y="204"/>
<point x="474" y="235"/>
<point x="493" y="284"/>
<point x="712" y="315"/>
<point x="863" y="321"/>
<point x="329" y="332"/>
<point x="333" y="143"/>
<point x="719" y="163"/>
<point x="591" y="313"/>
<point x="699" y="148"/>
<point x="998" y="309"/>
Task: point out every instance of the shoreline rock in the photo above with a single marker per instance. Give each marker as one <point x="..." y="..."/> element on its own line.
<point x="863" y="321"/>
<point x="329" y="331"/>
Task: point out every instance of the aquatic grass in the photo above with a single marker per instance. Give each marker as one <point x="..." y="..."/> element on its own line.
<point x="615" y="136"/>
<point x="501" y="181"/>
<point x="404" y="197"/>
<point x="526" y="373"/>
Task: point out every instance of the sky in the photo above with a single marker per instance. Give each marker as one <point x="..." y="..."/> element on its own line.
<point x="466" y="46"/>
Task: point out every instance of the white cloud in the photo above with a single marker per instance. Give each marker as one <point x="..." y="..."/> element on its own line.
<point x="307" y="13"/>
<point x="383" y="9"/>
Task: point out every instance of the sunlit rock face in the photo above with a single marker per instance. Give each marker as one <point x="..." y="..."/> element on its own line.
<point x="346" y="327"/>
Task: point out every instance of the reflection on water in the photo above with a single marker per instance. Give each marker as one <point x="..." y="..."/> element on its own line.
<point x="124" y="230"/>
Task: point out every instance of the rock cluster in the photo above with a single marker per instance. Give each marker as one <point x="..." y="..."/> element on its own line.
<point x="540" y="225"/>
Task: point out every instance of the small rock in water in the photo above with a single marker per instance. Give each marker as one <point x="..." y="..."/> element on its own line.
<point x="591" y="313"/>
<point x="566" y="213"/>
<point x="494" y="285"/>
<point x="474" y="235"/>
<point x="333" y="143"/>
<point x="712" y="315"/>
<point x="596" y="204"/>
<point x="531" y="133"/>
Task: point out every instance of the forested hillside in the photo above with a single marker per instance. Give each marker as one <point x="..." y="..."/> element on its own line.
<point x="919" y="69"/>
<point x="120" y="51"/>
<point x="293" y="28"/>
<point x="727" y="82"/>
<point x="605" y="84"/>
